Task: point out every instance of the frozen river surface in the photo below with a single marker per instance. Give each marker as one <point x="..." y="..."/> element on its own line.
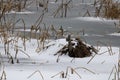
<point x="95" y="29"/>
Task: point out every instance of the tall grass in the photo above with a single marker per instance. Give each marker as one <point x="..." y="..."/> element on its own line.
<point x="7" y="26"/>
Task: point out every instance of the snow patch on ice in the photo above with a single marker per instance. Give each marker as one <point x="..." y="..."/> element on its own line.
<point x="114" y="34"/>
<point x="94" y="19"/>
<point x="22" y="12"/>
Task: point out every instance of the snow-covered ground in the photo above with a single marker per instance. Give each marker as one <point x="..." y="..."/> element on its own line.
<point x="43" y="65"/>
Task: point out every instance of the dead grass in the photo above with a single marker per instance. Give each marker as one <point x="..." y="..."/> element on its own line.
<point x="107" y="8"/>
<point x="62" y="8"/>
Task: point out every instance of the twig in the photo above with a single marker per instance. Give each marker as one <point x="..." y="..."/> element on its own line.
<point x="24" y="53"/>
<point x="58" y="59"/>
<point x="24" y="35"/>
<point x="77" y="74"/>
<point x="3" y="76"/>
<point x="87" y="13"/>
<point x="72" y="71"/>
<point x="102" y="62"/>
<point x="72" y="60"/>
<point x="91" y="59"/>
<point x="86" y="69"/>
<point x="36" y="72"/>
<point x="57" y="74"/>
<point x="118" y="64"/>
<point x="116" y="72"/>
<point x="111" y="73"/>
<point x="102" y="52"/>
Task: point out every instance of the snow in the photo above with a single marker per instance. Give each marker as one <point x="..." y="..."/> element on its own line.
<point x="114" y="34"/>
<point x="94" y="19"/>
<point x="22" y="12"/>
<point x="43" y="65"/>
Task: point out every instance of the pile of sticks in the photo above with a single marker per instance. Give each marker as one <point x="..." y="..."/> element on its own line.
<point x="77" y="48"/>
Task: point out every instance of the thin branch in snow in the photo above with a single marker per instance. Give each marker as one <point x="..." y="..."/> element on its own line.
<point x="61" y="73"/>
<point x="3" y="76"/>
<point x="24" y="53"/>
<point x="91" y="59"/>
<point x="37" y="71"/>
<point x="76" y="73"/>
<point x="72" y="72"/>
<point x="86" y="69"/>
<point x="111" y="73"/>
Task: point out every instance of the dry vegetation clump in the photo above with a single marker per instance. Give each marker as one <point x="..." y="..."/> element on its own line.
<point x="77" y="48"/>
<point x="107" y="8"/>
